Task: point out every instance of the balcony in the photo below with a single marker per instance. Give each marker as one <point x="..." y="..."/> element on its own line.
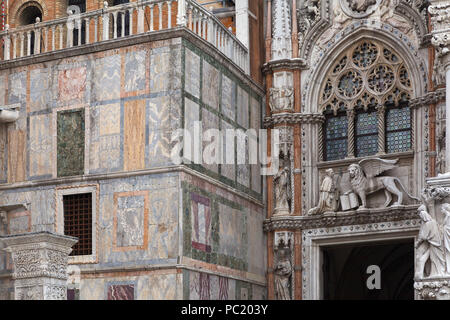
<point x="121" y="21"/>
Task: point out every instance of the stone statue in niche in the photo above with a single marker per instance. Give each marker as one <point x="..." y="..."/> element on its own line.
<point x="282" y="187"/>
<point x="328" y="195"/>
<point x="428" y="246"/>
<point x="364" y="179"/>
<point x="446" y="210"/>
<point x="440" y="159"/>
<point x="283" y="272"/>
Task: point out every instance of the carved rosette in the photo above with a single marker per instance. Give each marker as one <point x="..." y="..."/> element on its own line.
<point x="284" y="265"/>
<point x="40" y="264"/>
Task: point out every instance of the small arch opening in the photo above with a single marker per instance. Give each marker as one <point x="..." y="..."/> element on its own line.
<point x="29" y="15"/>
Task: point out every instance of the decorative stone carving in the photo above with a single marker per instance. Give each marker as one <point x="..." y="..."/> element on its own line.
<point x="328" y="195"/>
<point x="283" y="275"/>
<point x="432" y="290"/>
<point x="40" y="264"/>
<point x="440" y="158"/>
<point x="359" y="8"/>
<point x="281" y="30"/>
<point x="429" y="246"/>
<point x="282" y="94"/>
<point x="364" y="180"/>
<point x="307" y="15"/>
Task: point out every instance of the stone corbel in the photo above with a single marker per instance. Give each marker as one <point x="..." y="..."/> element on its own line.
<point x="9" y="113"/>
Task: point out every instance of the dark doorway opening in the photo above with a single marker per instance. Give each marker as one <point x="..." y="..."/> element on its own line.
<point x="29" y="16"/>
<point x="345" y="273"/>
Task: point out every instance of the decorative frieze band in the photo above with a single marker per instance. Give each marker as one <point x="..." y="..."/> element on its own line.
<point x="372" y="216"/>
<point x="429" y="98"/>
<point x="293" y="118"/>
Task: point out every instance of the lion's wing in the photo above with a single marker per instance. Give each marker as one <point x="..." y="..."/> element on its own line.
<point x="376" y="166"/>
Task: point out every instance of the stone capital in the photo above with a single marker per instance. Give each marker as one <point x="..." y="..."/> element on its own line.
<point x="39" y="264"/>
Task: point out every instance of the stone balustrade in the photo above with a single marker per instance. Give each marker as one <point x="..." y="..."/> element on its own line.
<point x="120" y="21"/>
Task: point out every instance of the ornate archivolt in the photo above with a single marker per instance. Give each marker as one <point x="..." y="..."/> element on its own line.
<point x="368" y="74"/>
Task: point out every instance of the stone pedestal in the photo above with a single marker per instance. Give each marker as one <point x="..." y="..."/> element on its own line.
<point x="39" y="264"/>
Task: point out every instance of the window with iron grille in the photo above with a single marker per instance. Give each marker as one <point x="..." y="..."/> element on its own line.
<point x="78" y="221"/>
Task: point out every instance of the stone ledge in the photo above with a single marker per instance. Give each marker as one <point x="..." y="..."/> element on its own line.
<point x="333" y="219"/>
<point x="290" y="64"/>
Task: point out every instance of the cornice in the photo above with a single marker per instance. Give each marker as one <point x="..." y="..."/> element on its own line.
<point x="293" y="118"/>
<point x="283" y="64"/>
<point x="429" y="98"/>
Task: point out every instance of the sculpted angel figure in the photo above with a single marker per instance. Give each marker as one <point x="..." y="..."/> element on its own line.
<point x="428" y="246"/>
<point x="283" y="270"/>
<point x="364" y="179"/>
<point x="327" y="195"/>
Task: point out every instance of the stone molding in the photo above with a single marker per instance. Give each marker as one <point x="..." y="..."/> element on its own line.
<point x="432" y="289"/>
<point x="347" y="218"/>
<point x="285" y="64"/>
<point x="429" y="98"/>
<point x="293" y="118"/>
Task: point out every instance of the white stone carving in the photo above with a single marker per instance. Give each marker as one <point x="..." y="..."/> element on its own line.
<point x="40" y="264"/>
<point x="328" y="198"/>
<point x="364" y="178"/>
<point x="281" y="30"/>
<point x="432" y="290"/>
<point x="359" y="8"/>
<point x="283" y="265"/>
<point x="282" y="188"/>
<point x="282" y="93"/>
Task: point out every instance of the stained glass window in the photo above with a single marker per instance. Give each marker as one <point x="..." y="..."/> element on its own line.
<point x="336" y="137"/>
<point x="366" y="133"/>
<point x="398" y="129"/>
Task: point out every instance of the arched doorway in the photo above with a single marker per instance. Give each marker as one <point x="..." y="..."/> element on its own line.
<point x="30" y="14"/>
<point x="345" y="271"/>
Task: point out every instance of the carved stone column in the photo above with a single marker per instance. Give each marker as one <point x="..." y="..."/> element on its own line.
<point x="381" y="110"/>
<point x="440" y="22"/>
<point x="432" y="261"/>
<point x="351" y="133"/>
<point x="39" y="264"/>
<point x="281" y="30"/>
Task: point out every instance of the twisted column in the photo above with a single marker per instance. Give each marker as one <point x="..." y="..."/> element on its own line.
<point x="381" y="111"/>
<point x="351" y="133"/>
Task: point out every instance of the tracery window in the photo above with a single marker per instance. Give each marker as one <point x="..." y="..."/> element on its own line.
<point x="365" y="100"/>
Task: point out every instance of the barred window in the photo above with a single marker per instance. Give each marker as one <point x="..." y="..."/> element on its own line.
<point x="78" y="221"/>
<point x="365" y="102"/>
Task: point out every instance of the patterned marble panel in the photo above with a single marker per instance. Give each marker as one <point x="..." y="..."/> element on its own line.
<point x="163" y="223"/>
<point x="199" y="286"/>
<point x="105" y="144"/>
<point x="40" y="145"/>
<point x="243" y="168"/>
<point x="106" y="82"/>
<point x="19" y="224"/>
<point x="16" y="155"/>
<point x="70" y="139"/>
<point x="3" y="83"/>
<point x="228" y="170"/>
<point x="232" y="232"/>
<point x="192" y="73"/>
<point x="160" y="69"/>
<point x="259" y="293"/>
<point x="191" y="115"/>
<point x="211" y="149"/>
<point x="160" y="147"/>
<point x="131" y="220"/>
<point x="72" y="84"/>
<point x="159" y="287"/>
<point x="120" y="292"/>
<point x="201" y="222"/>
<point x="210" y="85"/>
<point x="134" y="135"/>
<point x="228" y="97"/>
<point x="222" y="288"/>
<point x="40" y="89"/>
<point x="17" y="87"/>
<point x="135" y="67"/>
<point x="242" y="107"/>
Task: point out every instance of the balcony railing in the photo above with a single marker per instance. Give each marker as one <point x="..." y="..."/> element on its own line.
<point x="122" y="21"/>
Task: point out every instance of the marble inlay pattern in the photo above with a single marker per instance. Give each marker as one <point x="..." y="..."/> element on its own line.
<point x="106" y="82"/>
<point x="40" y="145"/>
<point x="72" y="84"/>
<point x="17" y="87"/>
<point x="120" y="292"/>
<point x="40" y="89"/>
<point x="192" y="73"/>
<point x="135" y="71"/>
<point x="210" y="94"/>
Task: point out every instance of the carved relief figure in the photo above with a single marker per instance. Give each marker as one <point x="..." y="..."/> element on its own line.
<point x="360" y="5"/>
<point x="283" y="271"/>
<point x="281" y="99"/>
<point x="364" y="180"/>
<point x="428" y="246"/>
<point x="446" y="210"/>
<point x="440" y="159"/>
<point x="282" y="188"/>
<point x="328" y="196"/>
